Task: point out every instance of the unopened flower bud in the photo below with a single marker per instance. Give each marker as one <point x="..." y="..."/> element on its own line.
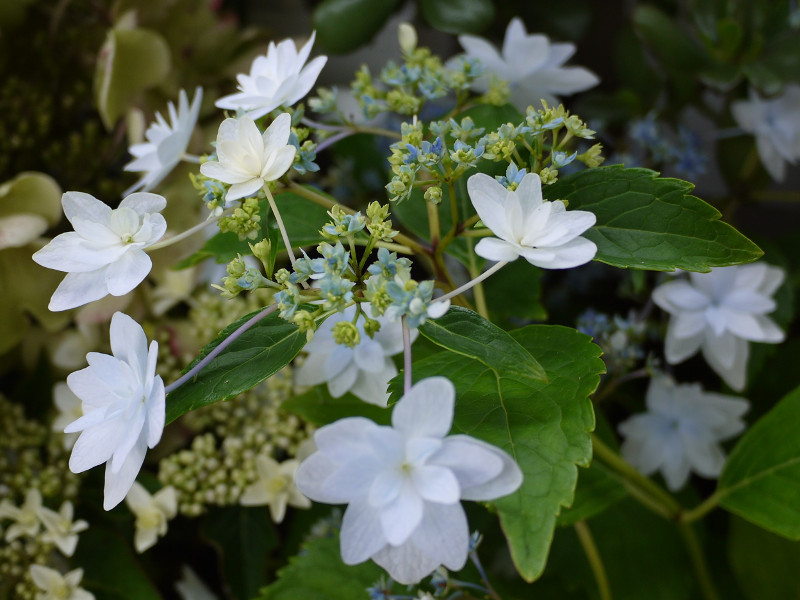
<point x="407" y="36"/>
<point x="346" y="334"/>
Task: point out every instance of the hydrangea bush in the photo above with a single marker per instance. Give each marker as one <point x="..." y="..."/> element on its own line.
<point x="309" y="373"/>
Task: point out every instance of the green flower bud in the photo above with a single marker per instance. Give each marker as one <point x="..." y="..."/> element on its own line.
<point x="304" y="320"/>
<point x="371" y="326"/>
<point x="548" y="175"/>
<point x="263" y="252"/>
<point x="593" y="156"/>
<point x="433" y="194"/>
<point x="346" y="334"/>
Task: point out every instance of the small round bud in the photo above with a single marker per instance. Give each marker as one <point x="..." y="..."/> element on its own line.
<point x="346" y="334"/>
<point x="407" y="36"/>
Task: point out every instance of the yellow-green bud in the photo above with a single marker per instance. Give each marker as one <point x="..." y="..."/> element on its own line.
<point x="499" y="91"/>
<point x="236" y="268"/>
<point x="548" y="175"/>
<point x="403" y="103"/>
<point x="282" y="276"/>
<point x="371" y="326"/>
<point x="346" y="333"/>
<point x="262" y="251"/>
<point x="407" y="36"/>
<point x="593" y="157"/>
<point x="304" y="320"/>
<point x="433" y="194"/>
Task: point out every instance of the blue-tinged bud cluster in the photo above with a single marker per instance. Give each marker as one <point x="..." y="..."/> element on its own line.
<point x="305" y="156"/>
<point x="620" y="338"/>
<point x="288" y="300"/>
<point x="343" y="224"/>
<point x="562" y="159"/>
<point x="513" y="176"/>
<point x="428" y="154"/>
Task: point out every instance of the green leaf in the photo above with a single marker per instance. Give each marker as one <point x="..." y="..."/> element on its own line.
<point x="258" y="353"/>
<point x="130" y="61"/>
<point x="491" y="117"/>
<point x="650" y="222"/>
<point x="33" y="193"/>
<point x="465" y="332"/>
<point x="544" y="426"/>
<point x="761" y="480"/>
<point x="514" y="292"/>
<point x="674" y="48"/>
<point x="318" y="573"/>
<point x="303" y="220"/>
<point x="458" y="16"/>
<point x="344" y="25"/>
<point x="598" y="487"/>
<point x="764" y="564"/>
<point x="111" y="570"/>
<point x="318" y="407"/>
<point x="244" y="537"/>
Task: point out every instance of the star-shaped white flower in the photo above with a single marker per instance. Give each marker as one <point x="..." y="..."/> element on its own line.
<point x="105" y="254"/>
<point x="60" y="527"/>
<point x="775" y="122"/>
<point x="248" y="159"/>
<point x="25" y="517"/>
<point x="403" y="484"/>
<point x="152" y="513"/>
<point x="123" y="405"/>
<point x="275" y="487"/>
<point x="720" y="312"/>
<point x="531" y="65"/>
<point x="55" y="586"/>
<point x="365" y="370"/>
<point x="681" y="431"/>
<point x="166" y="143"/>
<point x="544" y="233"/>
<point x="277" y="79"/>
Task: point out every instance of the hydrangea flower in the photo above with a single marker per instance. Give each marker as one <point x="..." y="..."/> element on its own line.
<point x="720" y="312"/>
<point x="152" y="511"/>
<point x="60" y="527"/>
<point x="123" y="405"/>
<point x="55" y="586"/>
<point x="681" y="431"/>
<point x="277" y="79"/>
<point x="544" y="233"/>
<point x="531" y="65"/>
<point x="248" y="159"/>
<point x="105" y="254"/>
<point x="403" y="484"/>
<point x="25" y="517"/>
<point x="166" y="143"/>
<point x="275" y="487"/>
<point x="364" y="370"/>
<point x="775" y="123"/>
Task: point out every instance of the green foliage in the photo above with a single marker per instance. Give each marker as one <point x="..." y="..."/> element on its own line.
<point x="318" y="573"/>
<point x="111" y="570"/>
<point x="650" y="222"/>
<point x="674" y="48"/>
<point x="514" y="292"/>
<point x="317" y="406"/>
<point x="544" y="426"/>
<point x="761" y="480"/>
<point x="765" y="565"/>
<point x="458" y="16"/>
<point x="361" y="19"/>
<point x="465" y="332"/>
<point x="32" y="193"/>
<point x="259" y="352"/>
<point x="131" y="61"/>
<point x="301" y="218"/>
<point x="244" y="537"/>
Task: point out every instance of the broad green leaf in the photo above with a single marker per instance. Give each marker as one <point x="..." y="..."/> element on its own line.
<point x="303" y="220"/>
<point x="344" y="25"/>
<point x="244" y="537"/>
<point x="765" y="565"/>
<point x="458" y="16"/>
<point x="598" y="486"/>
<point x="650" y="222"/>
<point x="514" y="292"/>
<point x="32" y="193"/>
<point x="130" y="61"/>
<point x="111" y="569"/>
<point x="761" y="480"/>
<point x="544" y="426"/>
<point x="318" y="573"/>
<point x="317" y="406"/>
<point x="258" y="353"/>
<point x="465" y="332"/>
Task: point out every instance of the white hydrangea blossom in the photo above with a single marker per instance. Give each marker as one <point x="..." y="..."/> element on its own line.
<point x="166" y="143"/>
<point x="123" y="402"/>
<point x="152" y="513"/>
<point x="365" y="370"/>
<point x="60" y="527"/>
<point x="246" y="158"/>
<point x="531" y="65"/>
<point x="55" y="586"/>
<point x="681" y="431"/>
<point x="775" y="122"/>
<point x="105" y="254"/>
<point x="25" y="517"/>
<point x="721" y="312"/>
<point x="277" y="79"/>
<point x="403" y="484"/>
<point x="275" y="487"/>
<point x="544" y="233"/>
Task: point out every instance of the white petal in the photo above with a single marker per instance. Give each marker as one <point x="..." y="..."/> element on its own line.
<point x="677" y="349"/>
<point x="497" y="250"/>
<point x="343" y="381"/>
<point x="156" y="412"/>
<point x="444" y="535"/>
<point x="143" y="202"/>
<point x="118" y="484"/>
<point x="426" y="409"/>
<point x="574" y="253"/>
<point x="128" y="272"/>
<point x="733" y="370"/>
<point x="361" y="534"/>
<point x="311" y="477"/>
<point x="401" y="517"/>
<point x="368" y="356"/>
<point x="311" y="372"/>
<point x="373" y="387"/>
<point x="488" y="197"/>
<point x="128" y="342"/>
<point x="436" y="484"/>
<point x="280" y="163"/>
<point x="85" y="206"/>
<point x="79" y="288"/>
<point x="484" y="471"/>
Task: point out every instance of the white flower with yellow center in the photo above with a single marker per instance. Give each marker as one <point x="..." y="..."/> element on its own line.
<point x="152" y="513"/>
<point x="275" y="487"/>
<point x="246" y="158"/>
<point x="60" y="527"/>
<point x="55" y="586"/>
<point x="25" y="517"/>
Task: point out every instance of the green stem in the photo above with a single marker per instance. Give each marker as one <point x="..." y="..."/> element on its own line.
<point x="473" y="233"/>
<point x="276" y="213"/>
<point x="474" y="272"/>
<point x="593" y="556"/>
<point x="433" y="223"/>
<point x="702" y="509"/>
<point x="698" y="560"/>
